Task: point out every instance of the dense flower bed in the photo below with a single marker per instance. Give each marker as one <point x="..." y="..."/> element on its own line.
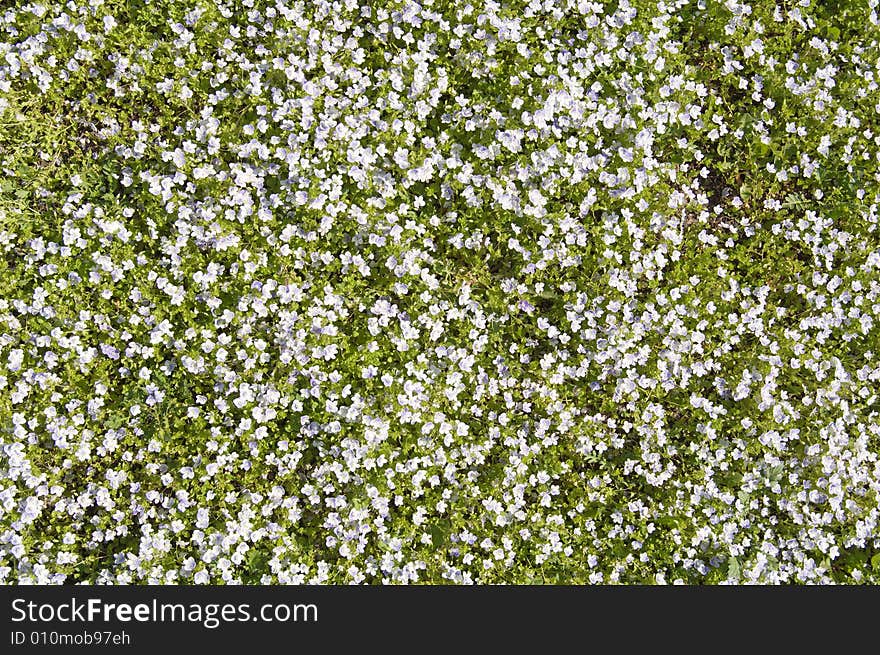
<point x="439" y="291"/>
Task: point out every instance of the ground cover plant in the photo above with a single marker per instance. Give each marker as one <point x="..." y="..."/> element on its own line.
<point x="451" y="291"/>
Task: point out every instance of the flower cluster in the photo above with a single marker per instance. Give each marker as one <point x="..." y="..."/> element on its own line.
<point x="313" y="291"/>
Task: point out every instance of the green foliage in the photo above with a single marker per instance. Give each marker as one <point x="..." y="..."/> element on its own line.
<point x="545" y="293"/>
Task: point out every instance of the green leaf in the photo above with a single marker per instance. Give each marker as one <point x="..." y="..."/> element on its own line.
<point x="439" y="531"/>
<point x="875" y="562"/>
<point x="733" y="569"/>
<point x="258" y="561"/>
<point x="775" y="473"/>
